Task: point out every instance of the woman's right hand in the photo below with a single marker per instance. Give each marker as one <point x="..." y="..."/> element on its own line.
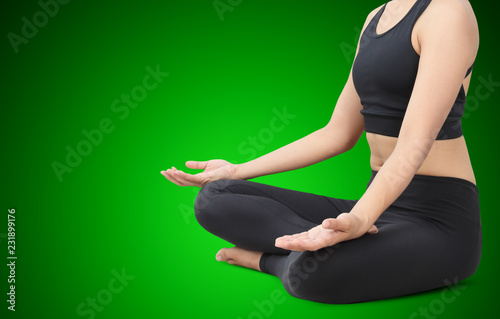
<point x="213" y="170"/>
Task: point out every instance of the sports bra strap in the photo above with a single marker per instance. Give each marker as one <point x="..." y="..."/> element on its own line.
<point x="470" y="69"/>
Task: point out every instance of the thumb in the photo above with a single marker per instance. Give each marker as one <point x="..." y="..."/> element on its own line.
<point x="197" y="164"/>
<point x="372" y="230"/>
<point x="334" y="223"/>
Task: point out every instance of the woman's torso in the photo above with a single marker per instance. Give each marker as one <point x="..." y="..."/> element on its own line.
<point x="447" y="157"/>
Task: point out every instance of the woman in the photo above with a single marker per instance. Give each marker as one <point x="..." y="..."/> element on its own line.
<point x="417" y="226"/>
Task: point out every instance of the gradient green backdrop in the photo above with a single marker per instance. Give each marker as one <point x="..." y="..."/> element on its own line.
<point x="115" y="211"/>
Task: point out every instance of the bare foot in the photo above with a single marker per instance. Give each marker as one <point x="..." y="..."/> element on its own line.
<point x="239" y="256"/>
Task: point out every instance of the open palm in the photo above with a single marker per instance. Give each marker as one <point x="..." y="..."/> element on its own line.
<point x="332" y="231"/>
<point x="213" y="170"/>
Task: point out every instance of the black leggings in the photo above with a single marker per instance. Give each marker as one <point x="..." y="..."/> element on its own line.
<point x="430" y="237"/>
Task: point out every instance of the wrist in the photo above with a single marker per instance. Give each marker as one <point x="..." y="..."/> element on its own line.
<point x="235" y="171"/>
<point x="365" y="220"/>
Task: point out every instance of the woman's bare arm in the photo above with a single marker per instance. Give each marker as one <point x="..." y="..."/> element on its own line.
<point x="338" y="136"/>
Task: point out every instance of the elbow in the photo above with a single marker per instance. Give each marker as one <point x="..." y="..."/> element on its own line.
<point x="341" y="141"/>
<point x="348" y="144"/>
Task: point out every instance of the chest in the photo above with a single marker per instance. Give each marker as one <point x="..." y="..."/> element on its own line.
<point x="386" y="64"/>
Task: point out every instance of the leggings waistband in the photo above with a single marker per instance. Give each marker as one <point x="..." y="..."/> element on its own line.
<point x="436" y="179"/>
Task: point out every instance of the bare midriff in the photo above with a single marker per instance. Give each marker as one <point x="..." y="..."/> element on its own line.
<point x="446" y="158"/>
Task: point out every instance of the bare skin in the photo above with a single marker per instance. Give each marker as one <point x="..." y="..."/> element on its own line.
<point x="442" y="66"/>
<point x="240" y="257"/>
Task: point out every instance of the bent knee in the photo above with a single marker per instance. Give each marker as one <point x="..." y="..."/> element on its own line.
<point x="207" y="205"/>
<point x="209" y="192"/>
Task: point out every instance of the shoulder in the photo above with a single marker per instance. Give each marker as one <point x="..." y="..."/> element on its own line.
<point x="449" y="13"/>
<point x="451" y="6"/>
<point x="451" y="19"/>
<point x="372" y="14"/>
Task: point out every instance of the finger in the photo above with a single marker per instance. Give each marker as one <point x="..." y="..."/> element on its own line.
<point x="283" y="239"/>
<point x="172" y="174"/>
<point x="300" y="235"/>
<point x="320" y="242"/>
<point x="285" y="244"/>
<point x="317" y="243"/>
<point x="194" y="180"/>
<point x="178" y="175"/>
<point x="187" y="179"/>
<point x="282" y="242"/>
<point x="292" y="243"/>
<point x="286" y="240"/>
<point x="372" y="230"/>
<point x="290" y="236"/>
<point x="168" y="175"/>
<point x="197" y="164"/>
<point x="286" y="237"/>
<point x="334" y="223"/>
<point x="302" y="244"/>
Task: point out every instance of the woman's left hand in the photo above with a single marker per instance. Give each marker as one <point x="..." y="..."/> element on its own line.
<point x="332" y="231"/>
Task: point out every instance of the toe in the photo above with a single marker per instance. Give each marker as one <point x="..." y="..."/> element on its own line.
<point x="222" y="255"/>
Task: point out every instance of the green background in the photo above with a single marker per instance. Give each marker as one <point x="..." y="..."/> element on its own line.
<point x="115" y="211"/>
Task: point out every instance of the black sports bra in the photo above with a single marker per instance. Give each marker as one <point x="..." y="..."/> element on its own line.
<point x="384" y="73"/>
